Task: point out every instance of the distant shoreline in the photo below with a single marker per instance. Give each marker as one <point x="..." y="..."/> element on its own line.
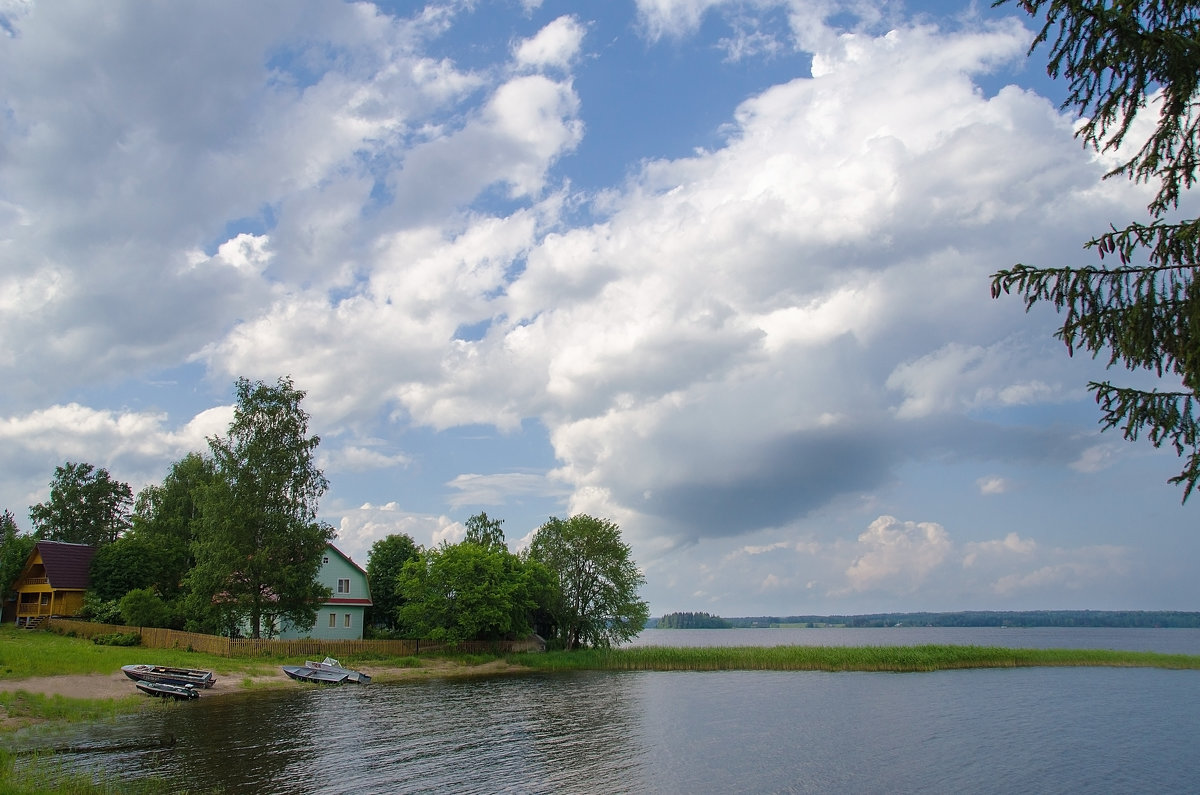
<point x="1132" y="619"/>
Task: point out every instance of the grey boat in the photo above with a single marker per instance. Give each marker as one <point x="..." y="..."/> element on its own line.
<point x="330" y="664"/>
<point x="163" y="690"/>
<point x="169" y="676"/>
<point x="302" y="673"/>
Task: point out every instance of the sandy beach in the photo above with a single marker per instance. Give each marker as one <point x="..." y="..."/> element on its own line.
<point x="115" y="685"/>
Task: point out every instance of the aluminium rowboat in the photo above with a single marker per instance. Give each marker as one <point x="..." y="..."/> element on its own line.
<point x="170" y="676"/>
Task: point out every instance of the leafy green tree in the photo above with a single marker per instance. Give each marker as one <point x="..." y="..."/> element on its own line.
<point x="485" y="532"/>
<point x="119" y="568"/>
<point x="385" y="561"/>
<point x="1122" y="60"/>
<point x="466" y="591"/>
<point x="86" y="506"/>
<point x="166" y="521"/>
<point x="15" y="547"/>
<point x="595" y="602"/>
<point x="142" y="607"/>
<point x="260" y="545"/>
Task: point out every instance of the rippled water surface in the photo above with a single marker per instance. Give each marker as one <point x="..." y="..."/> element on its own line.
<point x="1028" y="730"/>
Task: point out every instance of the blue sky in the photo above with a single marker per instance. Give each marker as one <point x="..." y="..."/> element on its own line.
<point x="716" y="271"/>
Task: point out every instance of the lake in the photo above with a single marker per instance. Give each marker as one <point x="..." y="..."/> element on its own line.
<point x="1020" y="730"/>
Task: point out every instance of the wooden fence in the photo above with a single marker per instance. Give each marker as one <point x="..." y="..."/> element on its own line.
<point x="157" y="638"/>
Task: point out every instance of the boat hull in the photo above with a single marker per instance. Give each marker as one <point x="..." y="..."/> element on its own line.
<point x="169" y="676"/>
<point x="330" y="664"/>
<point x="302" y="673"/>
<point x="163" y="690"/>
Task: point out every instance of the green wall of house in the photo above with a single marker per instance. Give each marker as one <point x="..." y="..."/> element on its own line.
<point x="337" y="620"/>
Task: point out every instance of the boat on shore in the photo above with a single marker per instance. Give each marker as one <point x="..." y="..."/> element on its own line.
<point x="330" y="664"/>
<point x="164" y="690"/>
<point x="302" y="673"/>
<point x="163" y="674"/>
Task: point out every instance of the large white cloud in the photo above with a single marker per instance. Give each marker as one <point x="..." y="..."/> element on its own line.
<point x="722" y="348"/>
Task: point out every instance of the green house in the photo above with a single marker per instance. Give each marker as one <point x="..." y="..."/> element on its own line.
<point x="340" y="618"/>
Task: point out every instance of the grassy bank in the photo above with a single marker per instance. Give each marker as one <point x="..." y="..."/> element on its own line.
<point x="24" y="654"/>
<point x="900" y="659"/>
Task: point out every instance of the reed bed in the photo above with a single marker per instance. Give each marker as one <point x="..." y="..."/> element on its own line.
<point x="898" y="659"/>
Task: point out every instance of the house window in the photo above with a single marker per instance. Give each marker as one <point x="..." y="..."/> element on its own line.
<point x="333" y="619"/>
<point x="325" y="559"/>
<point x="347" y="620"/>
<point x="343" y="586"/>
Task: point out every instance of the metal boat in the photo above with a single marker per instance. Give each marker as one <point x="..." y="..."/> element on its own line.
<point x="163" y="690"/>
<point x="171" y="676"/>
<point x="330" y="664"/>
<point x="302" y="673"/>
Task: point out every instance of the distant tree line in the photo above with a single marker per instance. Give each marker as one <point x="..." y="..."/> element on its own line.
<point x="692" y="621"/>
<point x="990" y="618"/>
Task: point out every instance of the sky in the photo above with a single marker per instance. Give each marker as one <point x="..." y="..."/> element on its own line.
<point x="714" y="270"/>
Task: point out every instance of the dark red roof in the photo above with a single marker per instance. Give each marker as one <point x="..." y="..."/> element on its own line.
<point x="66" y="564"/>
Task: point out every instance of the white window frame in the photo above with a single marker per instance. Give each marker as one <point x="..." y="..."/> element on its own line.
<point x="343" y="585"/>
<point x="347" y="624"/>
<point x="332" y="620"/>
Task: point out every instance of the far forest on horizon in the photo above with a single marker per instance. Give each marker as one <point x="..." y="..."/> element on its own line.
<point x="1146" y="619"/>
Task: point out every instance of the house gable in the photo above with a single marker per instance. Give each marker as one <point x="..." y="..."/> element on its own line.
<point x="345" y="579"/>
<point x="341" y="616"/>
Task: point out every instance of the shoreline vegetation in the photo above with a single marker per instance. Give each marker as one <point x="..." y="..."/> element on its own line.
<point x="1146" y="619"/>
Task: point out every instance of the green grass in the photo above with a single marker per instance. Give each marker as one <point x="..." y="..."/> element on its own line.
<point x="23" y="708"/>
<point x="24" y="654"/>
<point x="900" y="659"/>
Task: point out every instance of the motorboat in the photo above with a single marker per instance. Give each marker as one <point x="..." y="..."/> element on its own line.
<point x="302" y="673"/>
<point x="164" y="690"/>
<point x="330" y="664"/>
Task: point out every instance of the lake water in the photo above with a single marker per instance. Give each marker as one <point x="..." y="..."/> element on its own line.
<point x="1025" y="730"/>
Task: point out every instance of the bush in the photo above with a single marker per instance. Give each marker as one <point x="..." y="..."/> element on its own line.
<point x="142" y="607"/>
<point x="100" y="611"/>
<point x="118" y="639"/>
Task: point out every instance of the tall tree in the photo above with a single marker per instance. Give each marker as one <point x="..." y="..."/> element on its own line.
<point x="485" y="532"/>
<point x="260" y="545"/>
<point x="596" y="601"/>
<point x="1122" y="60"/>
<point x="86" y="506"/>
<point x="467" y="591"/>
<point x="15" y="547"/>
<point x="385" y="561"/>
<point x="166" y="520"/>
<point x="119" y="568"/>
